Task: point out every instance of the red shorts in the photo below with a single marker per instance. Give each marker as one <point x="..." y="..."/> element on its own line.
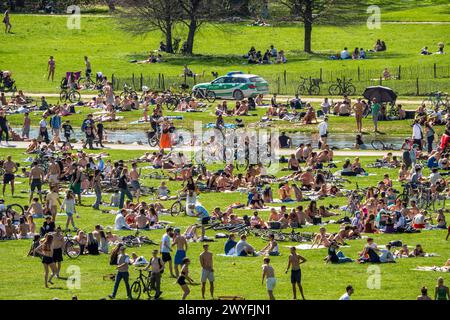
<point x="418" y="226"/>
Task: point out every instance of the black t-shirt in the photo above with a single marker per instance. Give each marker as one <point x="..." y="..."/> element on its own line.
<point x="100" y="128"/>
<point x="123" y="182"/>
<point x="283" y="140"/>
<point x="67" y="128"/>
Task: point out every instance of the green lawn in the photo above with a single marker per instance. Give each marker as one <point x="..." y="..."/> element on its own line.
<point x="320" y="281"/>
<point x="219" y="48"/>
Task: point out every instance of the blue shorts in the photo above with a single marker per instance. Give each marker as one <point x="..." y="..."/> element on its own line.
<point x="69" y="214"/>
<point x="179" y="256"/>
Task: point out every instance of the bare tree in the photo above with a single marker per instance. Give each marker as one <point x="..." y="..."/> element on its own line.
<point x="141" y="16"/>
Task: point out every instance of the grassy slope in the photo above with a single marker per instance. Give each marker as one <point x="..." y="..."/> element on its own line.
<point x="320" y="281"/>
<point x="37" y="37"/>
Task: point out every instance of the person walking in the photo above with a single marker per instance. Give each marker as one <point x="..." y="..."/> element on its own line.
<point x="323" y="132"/>
<point x="123" y="187"/>
<point x="10" y="168"/>
<point x="7" y="22"/>
<point x="417" y="134"/>
<point x="51" y="67"/>
<point x="97" y="185"/>
<point x="69" y="205"/>
<point x="45" y="249"/>
<point x="269" y="274"/>
<point x="184" y="275"/>
<point x="206" y="261"/>
<point x="358" y="109"/>
<point x="123" y="261"/>
<point x="4" y="127"/>
<point x="441" y="292"/>
<point x="430" y="135"/>
<point x="166" y="249"/>
<point x="294" y="262"/>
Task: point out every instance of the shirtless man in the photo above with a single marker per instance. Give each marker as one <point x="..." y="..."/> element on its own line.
<point x="358" y="108"/>
<point x="269" y="273"/>
<point x="307" y="178"/>
<point x="10" y="168"/>
<point x="294" y="262"/>
<point x="321" y="239"/>
<point x="35" y="180"/>
<point x="58" y="243"/>
<point x="134" y="180"/>
<point x="206" y="261"/>
<point x="182" y="246"/>
<point x="54" y="172"/>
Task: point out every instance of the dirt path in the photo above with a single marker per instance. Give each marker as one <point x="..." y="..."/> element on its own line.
<point x="143" y="147"/>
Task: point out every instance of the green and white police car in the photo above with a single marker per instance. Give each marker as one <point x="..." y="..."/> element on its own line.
<point x="235" y="85"/>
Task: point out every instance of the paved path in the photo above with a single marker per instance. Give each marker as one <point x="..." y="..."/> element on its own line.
<point x="143" y="148"/>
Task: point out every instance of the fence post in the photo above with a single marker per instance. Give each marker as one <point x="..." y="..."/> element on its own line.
<point x="132" y="80"/>
<point x="159" y="80"/>
<point x="321" y="79"/>
<point x="285" y="78"/>
<point x="399" y="72"/>
<point x="278" y="85"/>
<point x="435" y="71"/>
<point x="163" y="82"/>
<point x="417" y="87"/>
<point x="112" y="79"/>
<point x="141" y="81"/>
<point x="381" y="81"/>
<point x="359" y="74"/>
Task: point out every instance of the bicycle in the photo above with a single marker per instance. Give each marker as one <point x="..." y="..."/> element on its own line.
<point x="72" y="95"/>
<point x="71" y="247"/>
<point x="204" y="94"/>
<point x="127" y="91"/>
<point x="86" y="83"/>
<point x="380" y="145"/>
<point x="179" y="206"/>
<point x="142" y="283"/>
<point x="311" y="88"/>
<point x="437" y="99"/>
<point x="12" y="210"/>
<point x="342" y="87"/>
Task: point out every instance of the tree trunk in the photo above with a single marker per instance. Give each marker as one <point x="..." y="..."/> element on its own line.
<point x="169" y="42"/>
<point x="191" y="35"/>
<point x="308" y="22"/>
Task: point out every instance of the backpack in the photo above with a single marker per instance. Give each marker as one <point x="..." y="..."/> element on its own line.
<point x="113" y="259"/>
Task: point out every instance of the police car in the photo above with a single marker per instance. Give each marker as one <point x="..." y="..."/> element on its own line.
<point x="235" y="85"/>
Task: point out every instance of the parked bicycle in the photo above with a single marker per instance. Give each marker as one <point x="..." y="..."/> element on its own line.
<point x="142" y="284"/>
<point x="12" y="210"/>
<point x="127" y="91"/>
<point x="380" y="145"/>
<point x="204" y="94"/>
<point x="437" y="99"/>
<point x="309" y="86"/>
<point x="69" y="94"/>
<point x="342" y="87"/>
<point x="71" y="247"/>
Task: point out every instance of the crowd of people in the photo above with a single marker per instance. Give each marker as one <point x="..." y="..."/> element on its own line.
<point x="270" y="56"/>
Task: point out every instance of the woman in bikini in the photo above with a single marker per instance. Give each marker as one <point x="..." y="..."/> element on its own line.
<point x="184" y="275"/>
<point x="45" y="249"/>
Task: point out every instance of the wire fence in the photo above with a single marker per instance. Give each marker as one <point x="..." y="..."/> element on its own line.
<point x="412" y="80"/>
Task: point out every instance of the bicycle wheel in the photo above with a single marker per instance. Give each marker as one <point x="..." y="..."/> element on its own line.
<point x="176" y="209"/>
<point x="350" y="90"/>
<point x="334" y="90"/>
<point x="74" y="96"/>
<point x="14" y="209"/>
<point x="151" y="292"/>
<point x="211" y="96"/>
<point x="377" y="144"/>
<point x="314" y="90"/>
<point x="136" y="290"/>
<point x="63" y="95"/>
<point x="123" y="94"/>
<point x="301" y="90"/>
<point x="172" y="103"/>
<point x="72" y="249"/>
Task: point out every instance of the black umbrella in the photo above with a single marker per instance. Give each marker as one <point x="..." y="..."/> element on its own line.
<point x="382" y="94"/>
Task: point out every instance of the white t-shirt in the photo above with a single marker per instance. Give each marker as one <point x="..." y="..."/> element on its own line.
<point x="323" y="128"/>
<point x="165" y="243"/>
<point x="345" y="296"/>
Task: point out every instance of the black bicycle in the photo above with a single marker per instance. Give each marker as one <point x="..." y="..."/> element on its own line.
<point x="309" y="86"/>
<point x="342" y="87"/>
<point x="72" y="95"/>
<point x="127" y="91"/>
<point x="12" y="210"/>
<point x="179" y="206"/>
<point x="142" y="284"/>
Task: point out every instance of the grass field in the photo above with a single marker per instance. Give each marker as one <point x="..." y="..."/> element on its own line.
<point x="320" y="281"/>
<point x="219" y="47"/>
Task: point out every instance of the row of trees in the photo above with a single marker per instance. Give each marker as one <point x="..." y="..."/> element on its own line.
<point x="142" y="16"/>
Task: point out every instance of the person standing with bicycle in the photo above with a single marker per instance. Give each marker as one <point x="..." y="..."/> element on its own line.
<point x="155" y="275"/>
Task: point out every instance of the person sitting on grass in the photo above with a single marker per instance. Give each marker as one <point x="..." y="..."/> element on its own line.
<point x="310" y="116"/>
<point x="322" y="238"/>
<point x="230" y="245"/>
<point x="243" y="248"/>
<point x="271" y="248"/>
<point x="336" y="257"/>
<point x="369" y="253"/>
